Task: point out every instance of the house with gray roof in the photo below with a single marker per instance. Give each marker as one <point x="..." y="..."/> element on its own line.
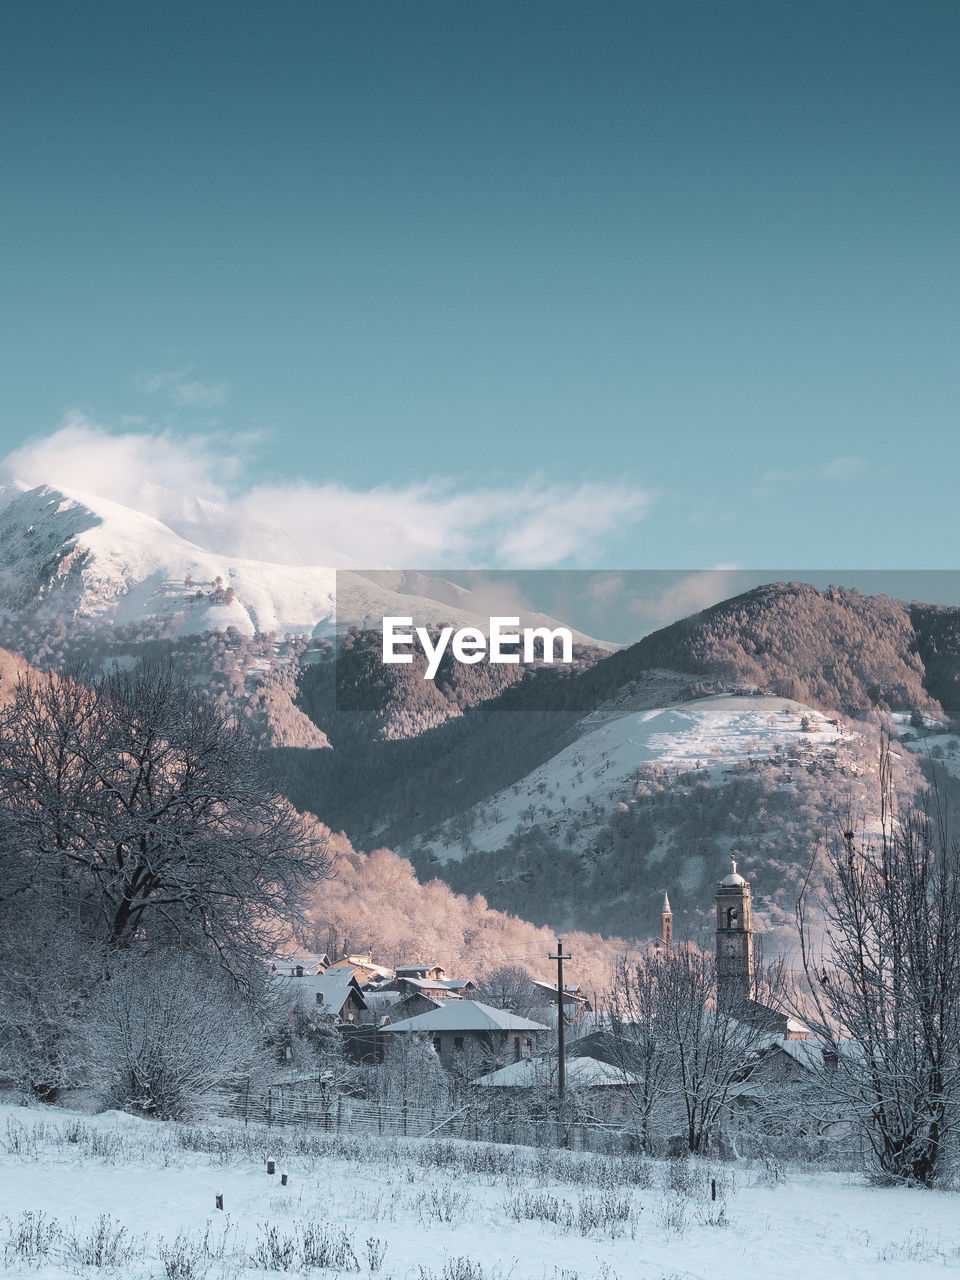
<point x="461" y="1029"/>
<point x="335" y="994"/>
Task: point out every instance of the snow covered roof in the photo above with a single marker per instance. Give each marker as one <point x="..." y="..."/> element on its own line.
<point x="430" y="984"/>
<point x="334" y="986"/>
<point x="466" y="1015"/>
<point x="571" y="993"/>
<point x="381" y="1001"/>
<point x="284" y="961"/>
<point x="350" y="963"/>
<point x="582" y="1073"/>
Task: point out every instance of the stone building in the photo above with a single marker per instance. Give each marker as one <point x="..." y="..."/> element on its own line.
<point x="734" y="938"/>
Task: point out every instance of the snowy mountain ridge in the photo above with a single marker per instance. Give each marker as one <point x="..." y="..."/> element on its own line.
<point x="67" y="554"/>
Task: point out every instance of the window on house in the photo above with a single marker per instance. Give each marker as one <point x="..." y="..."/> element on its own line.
<point x="458" y="1043"/>
<point x="436" y="1043"/>
<point x="516" y="1048"/>
<point x="732" y="917"/>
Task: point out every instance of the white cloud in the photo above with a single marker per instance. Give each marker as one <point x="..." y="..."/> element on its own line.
<point x="690" y="594"/>
<point x="124" y="467"/>
<point x="432" y="523"/>
<point x="183" y="391"/>
<point x="843" y="468"/>
<point x="424" y="525"/>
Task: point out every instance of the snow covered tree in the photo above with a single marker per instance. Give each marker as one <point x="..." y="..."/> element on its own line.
<point x="682" y="1050"/>
<point x="138" y="808"/>
<point x="638" y="1045"/>
<point x="885" y="983"/>
<point x="47" y="973"/>
<point x="165" y="1033"/>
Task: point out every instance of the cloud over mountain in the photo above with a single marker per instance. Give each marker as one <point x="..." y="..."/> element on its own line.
<point x="203" y="482"/>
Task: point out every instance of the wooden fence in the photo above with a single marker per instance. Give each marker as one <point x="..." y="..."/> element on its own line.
<point x="344" y="1114"/>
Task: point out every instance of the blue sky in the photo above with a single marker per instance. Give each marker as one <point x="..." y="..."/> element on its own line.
<point x="683" y="274"/>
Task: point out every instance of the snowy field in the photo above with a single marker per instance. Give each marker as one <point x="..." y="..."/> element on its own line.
<point x="115" y="1195"/>
<point x="707" y="735"/>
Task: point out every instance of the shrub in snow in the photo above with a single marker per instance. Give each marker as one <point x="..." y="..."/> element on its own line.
<point x="31" y="1239"/>
<point x="312" y="1244"/>
<point x="41" y="1003"/>
<point x="105" y="1244"/>
<point x="166" y="1033"/>
<point x="374" y="1252"/>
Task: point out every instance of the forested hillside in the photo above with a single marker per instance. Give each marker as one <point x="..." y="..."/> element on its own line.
<point x="375" y="902"/>
<point x="835" y="650"/>
<point x="360" y="697"/>
<point x="394" y="760"/>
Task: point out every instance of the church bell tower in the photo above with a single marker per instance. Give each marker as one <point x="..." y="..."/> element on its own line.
<point x="734" y="938"/>
<point x="666" y="924"/>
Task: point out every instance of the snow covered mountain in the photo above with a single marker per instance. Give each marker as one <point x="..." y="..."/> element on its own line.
<point x="655" y="798"/>
<point x="708" y="739"/>
<point x="65" y="555"/>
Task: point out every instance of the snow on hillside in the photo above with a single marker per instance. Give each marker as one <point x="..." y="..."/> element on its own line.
<point x="706" y="735"/>
<point x="73" y="554"/>
<point x="116" y="1195"/>
<point x="930" y="744"/>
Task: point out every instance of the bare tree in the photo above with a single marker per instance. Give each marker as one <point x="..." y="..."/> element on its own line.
<point x="638" y="1045"/>
<point x="715" y="1043"/>
<point x="165" y="1033"/>
<point x="684" y="1052"/>
<point x="411" y="1072"/>
<point x="509" y="987"/>
<point x="138" y="804"/>
<point x="885" y="983"/>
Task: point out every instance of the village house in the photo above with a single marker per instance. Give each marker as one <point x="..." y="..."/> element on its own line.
<point x="461" y="1029"/>
<point x="430" y="970"/>
<point x="431" y="987"/>
<point x="574" y="1001"/>
<point x="601" y="1091"/>
<point x="394" y="1006"/>
<point x="334" y="994"/>
<point x="298" y="962"/>
<point x="363" y="968"/>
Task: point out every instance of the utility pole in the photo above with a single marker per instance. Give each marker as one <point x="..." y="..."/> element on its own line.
<point x="561" y="1061"/>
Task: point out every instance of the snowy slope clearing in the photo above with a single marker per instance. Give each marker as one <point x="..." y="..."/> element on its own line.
<point x="706" y="735"/>
<point x="417" y="1209"/>
<point x="931" y="744"/>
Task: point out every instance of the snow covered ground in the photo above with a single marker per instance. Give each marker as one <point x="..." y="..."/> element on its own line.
<point x="421" y="1209"/>
<point x="943" y="747"/>
<point x="706" y="735"/>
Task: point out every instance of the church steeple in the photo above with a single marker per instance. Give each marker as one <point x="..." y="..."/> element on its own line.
<point x="734" y="938"/>
<point x="666" y="923"/>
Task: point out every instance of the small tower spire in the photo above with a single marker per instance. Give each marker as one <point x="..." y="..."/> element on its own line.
<point x="666" y="923"/>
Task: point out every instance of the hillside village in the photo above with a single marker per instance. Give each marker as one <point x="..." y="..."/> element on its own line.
<point x="503" y="1059"/>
